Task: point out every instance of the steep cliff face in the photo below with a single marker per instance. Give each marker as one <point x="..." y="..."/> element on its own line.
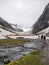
<point x="43" y="21"/>
<point x="5" y="24"/>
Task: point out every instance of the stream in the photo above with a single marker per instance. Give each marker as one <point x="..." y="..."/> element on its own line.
<point x="16" y="53"/>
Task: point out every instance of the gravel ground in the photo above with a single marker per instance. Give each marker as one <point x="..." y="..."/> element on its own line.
<point x="45" y="54"/>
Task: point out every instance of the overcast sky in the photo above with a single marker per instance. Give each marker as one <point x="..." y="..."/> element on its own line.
<point x="22" y="12"/>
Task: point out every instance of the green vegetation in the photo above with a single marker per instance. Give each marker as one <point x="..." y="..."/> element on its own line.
<point x="30" y="59"/>
<point x="12" y="42"/>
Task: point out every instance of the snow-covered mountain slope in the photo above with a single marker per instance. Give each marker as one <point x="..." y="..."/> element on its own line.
<point x="3" y="33"/>
<point x="12" y="30"/>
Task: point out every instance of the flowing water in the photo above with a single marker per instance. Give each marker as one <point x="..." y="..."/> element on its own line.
<point x="16" y="53"/>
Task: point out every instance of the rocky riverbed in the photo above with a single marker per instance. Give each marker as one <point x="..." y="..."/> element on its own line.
<point x="15" y="53"/>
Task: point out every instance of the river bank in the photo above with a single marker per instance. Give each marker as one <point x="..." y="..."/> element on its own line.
<point x="44" y="56"/>
<point x="10" y="43"/>
<point x="5" y="43"/>
<point x="16" y="52"/>
<point x="35" y="57"/>
<point x="29" y="59"/>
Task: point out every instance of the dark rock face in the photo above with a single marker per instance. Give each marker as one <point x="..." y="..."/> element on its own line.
<point x="43" y="21"/>
<point x="5" y="23"/>
<point x="18" y="29"/>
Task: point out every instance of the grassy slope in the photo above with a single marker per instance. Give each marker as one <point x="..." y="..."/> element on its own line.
<point x="7" y="42"/>
<point x="30" y="59"/>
